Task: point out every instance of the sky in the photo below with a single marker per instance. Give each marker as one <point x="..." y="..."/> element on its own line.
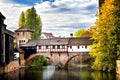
<point x="60" y="17"/>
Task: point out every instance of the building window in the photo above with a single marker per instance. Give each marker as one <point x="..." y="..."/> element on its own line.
<point x="46" y="46"/>
<point x="85" y="46"/>
<point x="18" y="34"/>
<point x="78" y="46"/>
<point x="82" y="46"/>
<point x="70" y="47"/>
<point x="53" y="46"/>
<point x="58" y="46"/>
<point x="19" y="41"/>
<point x="23" y="33"/>
<point x="63" y="46"/>
<point x="39" y="47"/>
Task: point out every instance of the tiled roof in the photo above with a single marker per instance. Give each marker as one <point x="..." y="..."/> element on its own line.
<point x="53" y="41"/>
<point x="60" y="41"/>
<point x="23" y="29"/>
<point x="31" y="42"/>
<point x="48" y="35"/>
<point x="10" y="33"/>
<point x="80" y="41"/>
<point x="44" y="42"/>
<point x="1" y="16"/>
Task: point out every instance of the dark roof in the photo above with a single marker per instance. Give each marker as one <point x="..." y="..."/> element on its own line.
<point x="60" y="41"/>
<point x="20" y="50"/>
<point x="53" y="41"/>
<point x="44" y="42"/>
<point x="24" y="29"/>
<point x="80" y="41"/>
<point x="48" y="35"/>
<point x="10" y="33"/>
<point x="31" y="43"/>
<point x="1" y="16"/>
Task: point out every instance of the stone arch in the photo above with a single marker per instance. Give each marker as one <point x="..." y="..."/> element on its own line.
<point x="85" y="55"/>
<point x="32" y="56"/>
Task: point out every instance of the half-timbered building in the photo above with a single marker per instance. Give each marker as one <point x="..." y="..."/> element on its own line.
<point x="52" y="44"/>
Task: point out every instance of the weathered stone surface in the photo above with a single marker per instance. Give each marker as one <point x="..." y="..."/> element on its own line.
<point x="118" y="66"/>
<point x="13" y="65"/>
<point x="57" y="58"/>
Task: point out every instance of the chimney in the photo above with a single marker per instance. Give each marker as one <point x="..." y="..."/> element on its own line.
<point x="71" y="34"/>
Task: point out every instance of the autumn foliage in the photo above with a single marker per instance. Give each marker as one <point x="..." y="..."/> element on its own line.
<point x="106" y="47"/>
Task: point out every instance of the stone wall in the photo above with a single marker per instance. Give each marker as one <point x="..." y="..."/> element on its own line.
<point x="22" y="60"/>
<point x="13" y="65"/>
<point x="118" y="69"/>
<point x="118" y="66"/>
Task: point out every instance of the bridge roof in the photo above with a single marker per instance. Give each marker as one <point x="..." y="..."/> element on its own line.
<point x="59" y="41"/>
<point x="80" y="41"/>
<point x="53" y="41"/>
<point x="31" y="42"/>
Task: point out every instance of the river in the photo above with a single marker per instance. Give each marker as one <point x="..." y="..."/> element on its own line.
<point x="81" y="72"/>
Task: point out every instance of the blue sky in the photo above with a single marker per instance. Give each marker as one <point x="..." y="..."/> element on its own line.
<point x="30" y="2"/>
<point x="60" y="17"/>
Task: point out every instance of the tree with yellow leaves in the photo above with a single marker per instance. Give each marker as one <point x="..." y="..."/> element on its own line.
<point x="105" y="49"/>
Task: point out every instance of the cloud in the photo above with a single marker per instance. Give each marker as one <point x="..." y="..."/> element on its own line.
<point x="61" y="17"/>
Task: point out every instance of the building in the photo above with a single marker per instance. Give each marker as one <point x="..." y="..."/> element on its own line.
<point x="2" y="28"/>
<point x="6" y="43"/>
<point x="46" y="35"/>
<point x="52" y="44"/>
<point x="23" y="34"/>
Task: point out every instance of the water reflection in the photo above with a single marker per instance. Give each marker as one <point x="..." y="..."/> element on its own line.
<point x="49" y="73"/>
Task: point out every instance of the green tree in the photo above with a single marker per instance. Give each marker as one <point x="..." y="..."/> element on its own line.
<point x="32" y="20"/>
<point x="39" y="60"/>
<point x="104" y="50"/>
<point x="21" y="20"/>
<point x="116" y="22"/>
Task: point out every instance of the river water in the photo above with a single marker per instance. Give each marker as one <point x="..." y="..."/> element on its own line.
<point x="81" y="72"/>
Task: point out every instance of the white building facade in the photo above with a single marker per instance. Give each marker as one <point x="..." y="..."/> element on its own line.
<point x="61" y="45"/>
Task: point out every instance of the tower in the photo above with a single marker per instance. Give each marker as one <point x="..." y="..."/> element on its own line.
<point x="2" y="39"/>
<point x="23" y="34"/>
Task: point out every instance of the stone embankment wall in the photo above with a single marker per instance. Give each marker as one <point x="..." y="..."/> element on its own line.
<point x="118" y="66"/>
<point x="118" y="69"/>
<point x="13" y="65"/>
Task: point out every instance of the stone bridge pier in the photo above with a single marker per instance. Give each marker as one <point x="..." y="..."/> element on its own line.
<point x="58" y="59"/>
